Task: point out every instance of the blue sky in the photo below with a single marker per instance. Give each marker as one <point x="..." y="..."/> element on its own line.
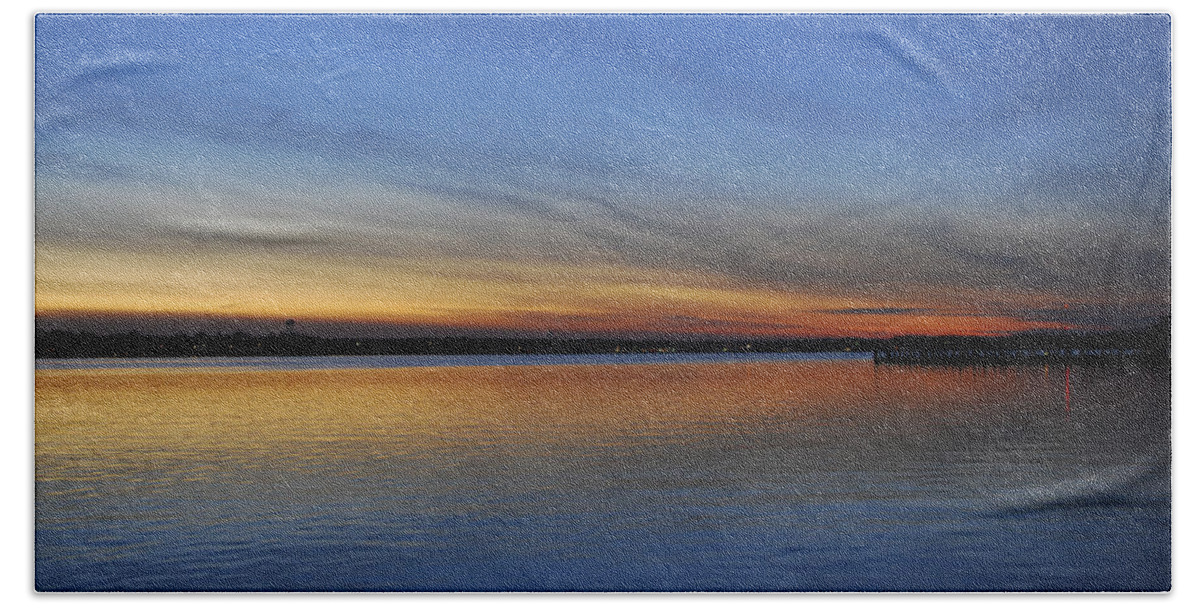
<point x="1015" y="166"/>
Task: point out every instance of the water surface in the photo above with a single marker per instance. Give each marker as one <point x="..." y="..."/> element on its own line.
<point x="610" y="472"/>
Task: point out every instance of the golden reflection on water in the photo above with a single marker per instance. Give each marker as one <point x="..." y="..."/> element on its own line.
<point x="102" y="412"/>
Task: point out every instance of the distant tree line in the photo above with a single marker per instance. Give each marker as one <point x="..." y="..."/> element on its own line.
<point x="72" y="344"/>
<point x="1154" y="339"/>
<point x="1153" y="342"/>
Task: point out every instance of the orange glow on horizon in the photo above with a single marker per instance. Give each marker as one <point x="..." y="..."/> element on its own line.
<point x="471" y="294"/>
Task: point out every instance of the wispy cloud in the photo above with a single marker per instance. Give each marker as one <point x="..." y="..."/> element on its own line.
<point x="912" y="157"/>
<point x="879" y="311"/>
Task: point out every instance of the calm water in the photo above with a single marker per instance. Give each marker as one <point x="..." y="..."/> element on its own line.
<point x="599" y="473"/>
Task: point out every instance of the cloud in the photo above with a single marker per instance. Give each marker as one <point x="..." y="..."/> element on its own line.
<point x="817" y="153"/>
<point x="880" y="311"/>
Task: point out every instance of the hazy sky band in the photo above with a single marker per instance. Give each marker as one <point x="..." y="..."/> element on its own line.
<point x="984" y="165"/>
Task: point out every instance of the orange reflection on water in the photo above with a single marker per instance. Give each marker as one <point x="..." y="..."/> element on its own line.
<point x="97" y="412"/>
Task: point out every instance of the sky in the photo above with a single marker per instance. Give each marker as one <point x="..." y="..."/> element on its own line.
<point x="757" y="175"/>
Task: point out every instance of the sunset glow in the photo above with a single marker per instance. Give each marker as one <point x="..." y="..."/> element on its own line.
<point x="513" y="173"/>
<point x="477" y="294"/>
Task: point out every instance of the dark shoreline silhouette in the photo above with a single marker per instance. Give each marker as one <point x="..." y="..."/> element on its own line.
<point x="1151" y="343"/>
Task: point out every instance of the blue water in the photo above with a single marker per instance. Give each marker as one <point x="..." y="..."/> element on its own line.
<point x="702" y="473"/>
